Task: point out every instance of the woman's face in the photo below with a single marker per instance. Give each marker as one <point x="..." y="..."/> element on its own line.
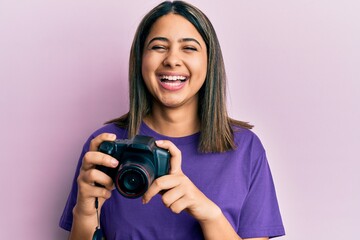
<point x="174" y="62"/>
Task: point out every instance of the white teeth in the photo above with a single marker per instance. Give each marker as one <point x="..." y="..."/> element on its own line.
<point x="173" y="78"/>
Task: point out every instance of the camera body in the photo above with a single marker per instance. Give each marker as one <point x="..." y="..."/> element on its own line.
<point x="140" y="163"/>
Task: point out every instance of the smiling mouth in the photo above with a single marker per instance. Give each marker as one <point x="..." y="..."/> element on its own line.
<point x="172" y="79"/>
<point x="172" y="82"/>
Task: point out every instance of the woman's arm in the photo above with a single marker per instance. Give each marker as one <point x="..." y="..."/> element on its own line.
<point x="83" y="226"/>
<point x="220" y="228"/>
<point x="84" y="212"/>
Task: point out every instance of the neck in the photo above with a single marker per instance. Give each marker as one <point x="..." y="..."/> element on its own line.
<point x="173" y="122"/>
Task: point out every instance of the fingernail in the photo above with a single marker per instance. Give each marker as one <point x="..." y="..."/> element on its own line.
<point x="114" y="162"/>
<point x="159" y="142"/>
<point x="112" y="136"/>
<point x="143" y="201"/>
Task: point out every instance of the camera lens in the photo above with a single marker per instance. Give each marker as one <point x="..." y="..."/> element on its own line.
<point x="133" y="180"/>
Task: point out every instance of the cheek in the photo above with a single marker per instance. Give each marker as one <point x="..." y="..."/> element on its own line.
<point x="149" y="64"/>
<point x="198" y="63"/>
<point x="147" y="70"/>
<point x="145" y="65"/>
<point x="200" y="66"/>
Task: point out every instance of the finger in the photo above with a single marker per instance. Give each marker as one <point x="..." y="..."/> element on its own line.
<point x="163" y="183"/>
<point x="93" y="158"/>
<point x="95" y="143"/>
<point x="179" y="205"/>
<point x="172" y="195"/>
<point x="175" y="159"/>
<point x="96" y="176"/>
<point x="87" y="191"/>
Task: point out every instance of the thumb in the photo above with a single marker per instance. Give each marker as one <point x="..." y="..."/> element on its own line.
<point x="175" y="159"/>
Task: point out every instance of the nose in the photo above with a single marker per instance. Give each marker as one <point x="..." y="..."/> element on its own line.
<point x="172" y="59"/>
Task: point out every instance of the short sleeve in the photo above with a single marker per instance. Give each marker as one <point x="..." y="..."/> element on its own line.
<point x="260" y="214"/>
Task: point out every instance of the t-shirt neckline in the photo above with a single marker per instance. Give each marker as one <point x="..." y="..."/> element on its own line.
<point x="146" y="130"/>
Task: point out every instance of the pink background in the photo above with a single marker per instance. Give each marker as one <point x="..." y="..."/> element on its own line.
<point x="293" y="69"/>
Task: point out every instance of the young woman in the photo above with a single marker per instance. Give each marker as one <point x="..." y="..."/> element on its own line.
<point x="219" y="185"/>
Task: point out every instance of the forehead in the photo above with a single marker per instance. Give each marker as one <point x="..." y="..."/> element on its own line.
<point x="173" y="26"/>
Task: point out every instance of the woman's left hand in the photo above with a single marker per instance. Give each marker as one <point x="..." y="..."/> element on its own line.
<point x="179" y="192"/>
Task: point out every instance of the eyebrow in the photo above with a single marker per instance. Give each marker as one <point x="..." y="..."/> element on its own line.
<point x="163" y="39"/>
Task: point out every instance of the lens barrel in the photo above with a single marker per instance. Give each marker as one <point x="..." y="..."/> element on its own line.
<point x="134" y="179"/>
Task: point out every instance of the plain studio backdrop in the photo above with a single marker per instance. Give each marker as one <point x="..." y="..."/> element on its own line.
<point x="293" y="71"/>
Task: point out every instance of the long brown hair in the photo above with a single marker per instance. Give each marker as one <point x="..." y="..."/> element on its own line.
<point x="216" y="126"/>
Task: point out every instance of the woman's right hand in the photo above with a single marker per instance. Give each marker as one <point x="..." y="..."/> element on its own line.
<point x="89" y="175"/>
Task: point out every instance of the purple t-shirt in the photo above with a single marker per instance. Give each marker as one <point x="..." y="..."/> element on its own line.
<point x="238" y="181"/>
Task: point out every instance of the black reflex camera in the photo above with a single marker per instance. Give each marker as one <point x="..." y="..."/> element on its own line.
<point x="140" y="162"/>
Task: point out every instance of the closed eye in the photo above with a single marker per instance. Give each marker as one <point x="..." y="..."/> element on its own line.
<point x="188" y="48"/>
<point x="158" y="47"/>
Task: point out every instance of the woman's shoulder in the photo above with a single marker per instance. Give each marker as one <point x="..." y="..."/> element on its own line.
<point x="247" y="138"/>
<point x="120" y="132"/>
